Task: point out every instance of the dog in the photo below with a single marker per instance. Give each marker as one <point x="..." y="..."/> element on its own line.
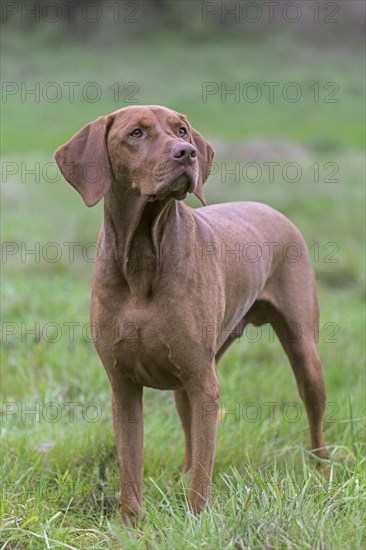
<point x="174" y="286"/>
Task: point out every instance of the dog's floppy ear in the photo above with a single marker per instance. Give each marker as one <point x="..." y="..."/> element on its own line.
<point x="84" y="161"/>
<point x="205" y="155"/>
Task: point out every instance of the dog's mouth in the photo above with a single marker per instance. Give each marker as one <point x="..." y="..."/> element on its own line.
<point x="178" y="188"/>
<point x="183" y="185"/>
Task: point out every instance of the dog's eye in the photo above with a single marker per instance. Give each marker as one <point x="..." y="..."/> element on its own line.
<point x="182" y="131"/>
<point x="136" y="133"/>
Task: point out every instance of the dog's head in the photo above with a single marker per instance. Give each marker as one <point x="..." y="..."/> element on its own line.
<point x="150" y="149"/>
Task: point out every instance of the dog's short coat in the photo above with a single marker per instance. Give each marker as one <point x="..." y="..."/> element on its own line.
<point x="174" y="286"/>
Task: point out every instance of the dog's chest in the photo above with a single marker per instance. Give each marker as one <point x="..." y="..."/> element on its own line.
<point x="146" y="343"/>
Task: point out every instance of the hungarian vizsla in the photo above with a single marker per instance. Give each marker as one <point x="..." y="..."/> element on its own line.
<point x="174" y="286"/>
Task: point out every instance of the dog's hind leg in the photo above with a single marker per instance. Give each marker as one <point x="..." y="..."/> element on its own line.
<point x="291" y="306"/>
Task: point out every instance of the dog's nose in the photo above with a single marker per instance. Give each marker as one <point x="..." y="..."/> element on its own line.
<point x="184" y="153"/>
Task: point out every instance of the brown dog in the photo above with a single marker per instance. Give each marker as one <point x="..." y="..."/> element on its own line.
<point x="174" y="286"/>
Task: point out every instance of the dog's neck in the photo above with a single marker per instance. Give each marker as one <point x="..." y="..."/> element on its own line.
<point x="134" y="229"/>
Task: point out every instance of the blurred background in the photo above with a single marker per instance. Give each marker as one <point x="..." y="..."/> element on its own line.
<point x="278" y="89"/>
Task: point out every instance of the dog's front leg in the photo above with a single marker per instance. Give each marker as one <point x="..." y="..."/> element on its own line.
<point x="184" y="411"/>
<point x="204" y="395"/>
<point x="128" y="427"/>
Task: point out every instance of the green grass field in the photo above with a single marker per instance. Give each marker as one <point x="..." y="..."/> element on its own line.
<point x="59" y="467"/>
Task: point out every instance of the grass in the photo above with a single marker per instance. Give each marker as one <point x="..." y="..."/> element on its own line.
<point x="313" y="122"/>
<point x="59" y="466"/>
